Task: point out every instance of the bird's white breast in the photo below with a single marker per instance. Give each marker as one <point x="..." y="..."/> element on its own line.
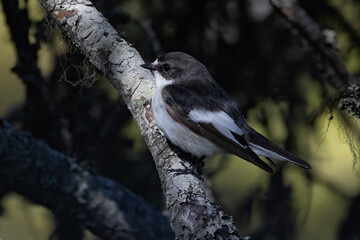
<point x="177" y="133"/>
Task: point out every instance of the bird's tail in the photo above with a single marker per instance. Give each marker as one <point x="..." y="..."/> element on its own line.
<point x="264" y="147"/>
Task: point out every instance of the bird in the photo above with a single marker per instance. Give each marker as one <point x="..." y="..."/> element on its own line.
<point x="197" y="115"/>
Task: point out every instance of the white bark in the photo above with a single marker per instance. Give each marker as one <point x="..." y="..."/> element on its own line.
<point x="193" y="215"/>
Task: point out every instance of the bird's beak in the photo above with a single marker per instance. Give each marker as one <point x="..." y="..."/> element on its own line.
<point x="149" y="66"/>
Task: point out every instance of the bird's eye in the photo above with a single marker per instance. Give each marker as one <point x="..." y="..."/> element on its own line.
<point x="166" y="67"/>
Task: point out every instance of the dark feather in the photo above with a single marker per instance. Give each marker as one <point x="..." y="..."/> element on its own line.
<point x="178" y="108"/>
<point x="256" y="138"/>
<point x="271" y="161"/>
<point x="194" y="88"/>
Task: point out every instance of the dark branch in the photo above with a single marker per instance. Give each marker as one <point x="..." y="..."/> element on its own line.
<point x="331" y="65"/>
<point x="41" y="115"/>
<point x="54" y="180"/>
<point x="312" y="33"/>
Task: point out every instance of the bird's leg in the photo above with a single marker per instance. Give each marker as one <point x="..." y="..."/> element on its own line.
<point x="194" y="169"/>
<point x="198" y="163"/>
<point x="187" y="170"/>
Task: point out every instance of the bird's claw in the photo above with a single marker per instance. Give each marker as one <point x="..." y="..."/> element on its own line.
<point x="194" y="170"/>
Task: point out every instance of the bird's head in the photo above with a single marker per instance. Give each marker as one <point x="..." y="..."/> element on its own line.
<point x="175" y="67"/>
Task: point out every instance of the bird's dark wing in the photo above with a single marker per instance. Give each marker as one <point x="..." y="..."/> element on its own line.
<point x="260" y="144"/>
<point x="180" y="108"/>
<point x="264" y="147"/>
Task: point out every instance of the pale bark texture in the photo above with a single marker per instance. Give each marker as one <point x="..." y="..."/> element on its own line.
<point x="193" y="215"/>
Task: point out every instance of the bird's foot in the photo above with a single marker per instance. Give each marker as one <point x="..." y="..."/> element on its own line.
<point x="194" y="169"/>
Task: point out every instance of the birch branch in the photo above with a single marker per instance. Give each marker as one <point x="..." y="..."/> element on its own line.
<point x="56" y="181"/>
<point x="193" y="215"/>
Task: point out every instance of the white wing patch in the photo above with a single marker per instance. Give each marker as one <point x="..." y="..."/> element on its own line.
<point x="220" y="120"/>
<point x="180" y="135"/>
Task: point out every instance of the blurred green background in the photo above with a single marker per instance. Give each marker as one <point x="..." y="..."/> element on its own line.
<point x="320" y="200"/>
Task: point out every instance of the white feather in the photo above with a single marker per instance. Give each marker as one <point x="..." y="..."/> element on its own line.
<point x="220" y="120"/>
<point x="177" y="133"/>
<point x="261" y="151"/>
<point x="160" y="82"/>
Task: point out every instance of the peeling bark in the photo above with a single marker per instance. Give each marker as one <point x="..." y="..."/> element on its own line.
<point x="193" y="215"/>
